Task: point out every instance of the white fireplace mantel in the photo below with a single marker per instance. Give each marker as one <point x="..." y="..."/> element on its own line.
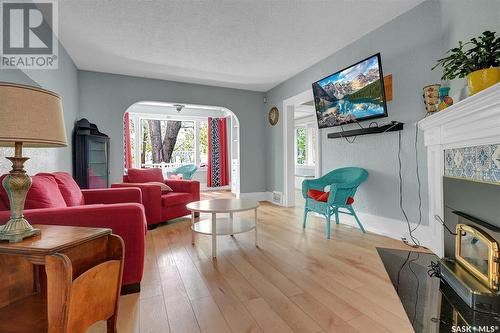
<point x="471" y="122"/>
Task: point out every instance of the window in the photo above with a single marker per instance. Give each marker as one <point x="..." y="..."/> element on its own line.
<point x="300" y="144"/>
<point x="305" y="144"/>
<point x="203" y="126"/>
<point x="184" y="152"/>
<point x="151" y="144"/>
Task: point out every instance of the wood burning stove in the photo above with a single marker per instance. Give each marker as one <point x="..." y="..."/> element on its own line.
<point x="473" y="273"/>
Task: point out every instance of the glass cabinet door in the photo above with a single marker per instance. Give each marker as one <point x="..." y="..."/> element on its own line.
<point x="97" y="163"/>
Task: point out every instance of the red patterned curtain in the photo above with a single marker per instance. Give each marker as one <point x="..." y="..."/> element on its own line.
<point x="128" y="150"/>
<point x="218" y="171"/>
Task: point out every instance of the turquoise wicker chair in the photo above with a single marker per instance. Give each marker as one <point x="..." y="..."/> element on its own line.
<point x="343" y="184"/>
<point x="186" y="170"/>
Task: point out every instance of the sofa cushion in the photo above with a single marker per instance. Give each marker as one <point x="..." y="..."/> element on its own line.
<point x="70" y="190"/>
<point x="145" y="175"/>
<point x="44" y="193"/>
<point x="176" y="198"/>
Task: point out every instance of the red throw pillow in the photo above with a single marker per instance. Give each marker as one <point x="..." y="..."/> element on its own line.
<point x="323" y="196"/>
<point x="44" y="193"/>
<point x="145" y="175"/>
<point x="315" y="194"/>
<point x="70" y="190"/>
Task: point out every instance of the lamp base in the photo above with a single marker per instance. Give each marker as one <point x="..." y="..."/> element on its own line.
<point x="15" y="230"/>
<point x="17" y="184"/>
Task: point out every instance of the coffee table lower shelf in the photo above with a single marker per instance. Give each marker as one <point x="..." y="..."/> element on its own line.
<point x="224" y="226"/>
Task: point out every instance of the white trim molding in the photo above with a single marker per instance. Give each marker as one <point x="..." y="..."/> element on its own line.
<point x="259" y="196"/>
<point x="288" y="122"/>
<point x="471" y="122"/>
<point x="385" y="226"/>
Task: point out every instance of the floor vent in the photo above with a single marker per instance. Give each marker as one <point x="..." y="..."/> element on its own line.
<point x="277" y="197"/>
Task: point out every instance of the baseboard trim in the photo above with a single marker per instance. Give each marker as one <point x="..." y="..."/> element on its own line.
<point x="205" y="188"/>
<point x="392" y="228"/>
<point x="259" y="196"/>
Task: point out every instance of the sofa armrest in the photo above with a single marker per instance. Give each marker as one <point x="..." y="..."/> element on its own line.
<point x="151" y="199"/>
<point x="112" y="196"/>
<point x="186" y="186"/>
<point x="125" y="220"/>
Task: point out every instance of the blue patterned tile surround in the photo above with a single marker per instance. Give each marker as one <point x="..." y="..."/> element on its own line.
<point x="480" y="163"/>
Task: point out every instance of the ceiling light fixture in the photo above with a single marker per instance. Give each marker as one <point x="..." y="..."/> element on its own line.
<point x="179" y="107"/>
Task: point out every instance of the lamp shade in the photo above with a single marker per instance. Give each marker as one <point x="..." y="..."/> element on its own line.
<point x="30" y="115"/>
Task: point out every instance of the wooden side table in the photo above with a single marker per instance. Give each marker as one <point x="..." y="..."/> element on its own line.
<point x="83" y="276"/>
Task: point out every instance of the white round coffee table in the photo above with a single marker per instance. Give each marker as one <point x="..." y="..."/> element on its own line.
<point x="222" y="226"/>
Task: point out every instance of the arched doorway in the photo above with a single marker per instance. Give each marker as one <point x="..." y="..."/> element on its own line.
<point x="181" y="130"/>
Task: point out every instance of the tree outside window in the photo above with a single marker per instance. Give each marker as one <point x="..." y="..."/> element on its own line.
<point x="171" y="141"/>
<point x="300" y="143"/>
<point x="203" y="142"/>
<point x="184" y="152"/>
<point x="305" y="144"/>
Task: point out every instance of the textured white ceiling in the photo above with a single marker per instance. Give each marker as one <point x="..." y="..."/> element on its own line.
<point x="248" y="44"/>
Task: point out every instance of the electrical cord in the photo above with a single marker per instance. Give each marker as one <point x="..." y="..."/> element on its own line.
<point x="416" y="288"/>
<point x="408" y="262"/>
<point x="411" y="230"/>
<point x="434" y="269"/>
<point x="440" y="220"/>
<point x="416" y="243"/>
<point x="346" y="139"/>
<point x="361" y="127"/>
<point x="400" y="270"/>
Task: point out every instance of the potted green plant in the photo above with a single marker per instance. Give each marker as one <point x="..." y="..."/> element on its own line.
<point x="477" y="59"/>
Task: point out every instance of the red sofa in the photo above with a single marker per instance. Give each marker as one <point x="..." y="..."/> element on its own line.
<point x="56" y="199"/>
<point x="161" y="207"/>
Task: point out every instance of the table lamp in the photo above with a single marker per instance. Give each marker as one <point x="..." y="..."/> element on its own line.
<point x="29" y="117"/>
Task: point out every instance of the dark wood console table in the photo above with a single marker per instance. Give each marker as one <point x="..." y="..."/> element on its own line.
<point x="49" y="278"/>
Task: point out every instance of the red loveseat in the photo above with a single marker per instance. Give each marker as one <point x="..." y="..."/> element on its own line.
<point x="160" y="207"/>
<point x="56" y="199"/>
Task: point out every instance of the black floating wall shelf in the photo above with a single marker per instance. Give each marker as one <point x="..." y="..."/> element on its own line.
<point x="392" y="127"/>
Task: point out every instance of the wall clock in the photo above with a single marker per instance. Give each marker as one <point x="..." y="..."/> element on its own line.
<point x="274" y="115"/>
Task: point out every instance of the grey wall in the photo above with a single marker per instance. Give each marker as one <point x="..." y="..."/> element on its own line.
<point x="409" y="46"/>
<point x="64" y="82"/>
<point x="105" y="97"/>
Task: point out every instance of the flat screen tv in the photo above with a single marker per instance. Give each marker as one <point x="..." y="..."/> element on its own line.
<point x="353" y="94"/>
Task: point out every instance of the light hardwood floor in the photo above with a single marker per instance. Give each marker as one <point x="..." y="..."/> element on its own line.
<point x="296" y="281"/>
